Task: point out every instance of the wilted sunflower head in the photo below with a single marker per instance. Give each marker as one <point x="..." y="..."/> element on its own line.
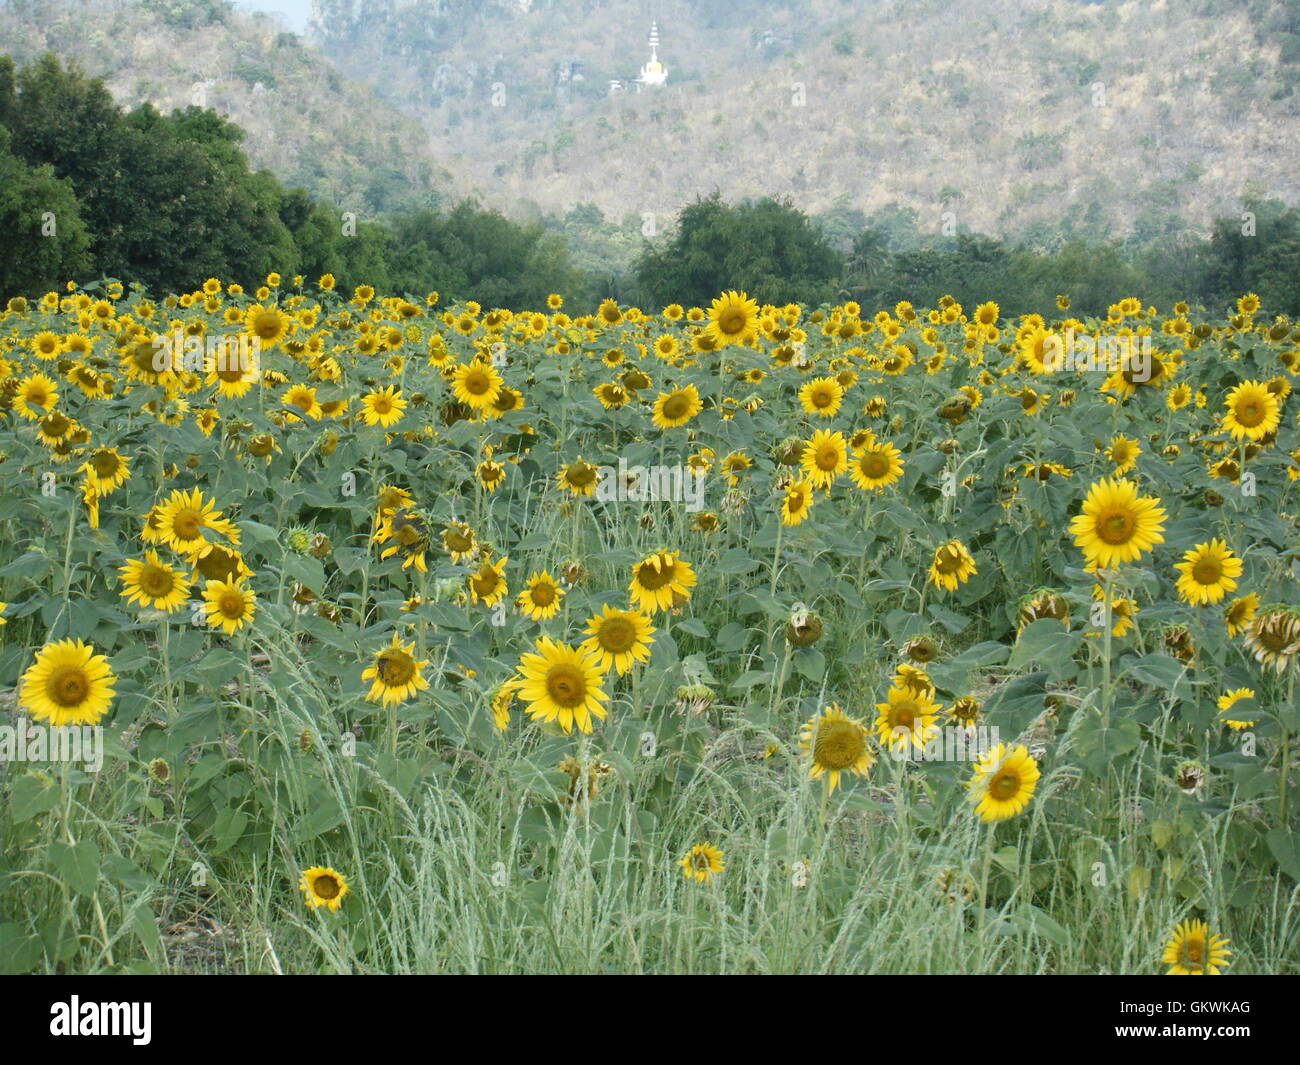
<point x="921" y="649"/>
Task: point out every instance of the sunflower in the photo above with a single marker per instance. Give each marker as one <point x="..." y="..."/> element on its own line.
<point x="234" y="377"/>
<point x="733" y="319"/>
<point x="821" y="396"/>
<point x="660" y="581"/>
<point x="36" y="396"/>
<point x="611" y="395"/>
<point x="1253" y="411"/>
<point x="229" y="605"/>
<point x="476" y="384"/>
<point x="106" y="470"/>
<point x="1192" y="951"/>
<point x="405" y="531"/>
<point x="1123" y="452"/>
<point x="676" y="408"/>
<point x="152" y="583"/>
<point x="68" y="684"/>
<point x="540" y="599"/>
<point x="1228" y="700"/>
<point x="836" y="744"/>
<point x="459" y="541"/>
<point x="395" y="675"/>
<point x="383" y="407"/>
<point x="503" y="698"/>
<point x="797" y="502"/>
<point x="1240" y="613"/>
<point x="1003" y="783"/>
<point x="952" y="565"/>
<point x="216" y="562"/>
<point x="1209" y="572"/>
<point x="876" y="466"/>
<point x="562" y="683"/>
<point x="618" y="638"/>
<point x="965" y="712"/>
<point x="1117" y="524"/>
<point x="1274" y="637"/>
<point x="322" y="886"/>
<point x="825" y="457"/>
<point x="268" y="324"/>
<point x="303" y="399"/>
<point x="906" y="719"/>
<point x="186" y="517"/>
<point x="579" y="477"/>
<point x="487" y="584"/>
<point x="702" y="862"/>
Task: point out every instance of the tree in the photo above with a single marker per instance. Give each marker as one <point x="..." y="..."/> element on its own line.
<point x="43" y="240"/>
<point x="766" y="248"/>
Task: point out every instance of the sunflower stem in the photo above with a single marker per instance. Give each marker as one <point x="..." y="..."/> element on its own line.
<point x="1106" y="693"/>
<point x="984" y="892"/>
<point x="1286" y="757"/>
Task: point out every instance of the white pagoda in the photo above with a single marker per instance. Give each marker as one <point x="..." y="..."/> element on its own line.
<point x="654" y="72"/>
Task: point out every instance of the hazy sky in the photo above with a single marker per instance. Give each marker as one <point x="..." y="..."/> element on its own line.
<point x="294" y="12"/>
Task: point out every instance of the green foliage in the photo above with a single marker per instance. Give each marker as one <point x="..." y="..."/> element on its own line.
<point x="767" y="247"/>
<point x="42" y="238"/>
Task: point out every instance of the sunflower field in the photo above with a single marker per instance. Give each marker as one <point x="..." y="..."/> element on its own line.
<point x="740" y="638"/>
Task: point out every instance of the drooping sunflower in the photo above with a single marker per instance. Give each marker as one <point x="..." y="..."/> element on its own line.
<point x="825" y="457"/>
<point x="1240" y="613"/>
<point x="106" y="470"/>
<point x="1274" y="637"/>
<point x="490" y="473"/>
<point x="541" y="597"/>
<point x="835" y="744"/>
<point x="1209" y="572"/>
<point x="1253" y="411"/>
<point x="702" y="863"/>
<point x="216" y="562"/>
<point x="229" y="605"/>
<point x="1123" y="452"/>
<point x="733" y="319"/>
<point x="67" y="684"/>
<point x="476" y="384"/>
<point x="487" y="584"/>
<point x="618" y="638"/>
<point x="152" y="583"/>
<point x="1193" y="951"/>
<point x="676" y="408"/>
<point x="876" y="466"/>
<point x="1117" y="525"/>
<point x="951" y="566"/>
<point x="323" y="886"/>
<point x="459" y="541"/>
<point x="405" y="532"/>
<point x="906" y="719"/>
<point x="660" y="581"/>
<point x="1003" y="783"/>
<point x="395" y="675"/>
<point x="503" y="698"/>
<point x="796" y="504"/>
<point x="821" y="396"/>
<point x="561" y="683"/>
<point x="383" y="407"/>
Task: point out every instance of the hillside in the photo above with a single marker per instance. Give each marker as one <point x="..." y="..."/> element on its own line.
<point x="304" y="121"/>
<point x="1091" y="118"/>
